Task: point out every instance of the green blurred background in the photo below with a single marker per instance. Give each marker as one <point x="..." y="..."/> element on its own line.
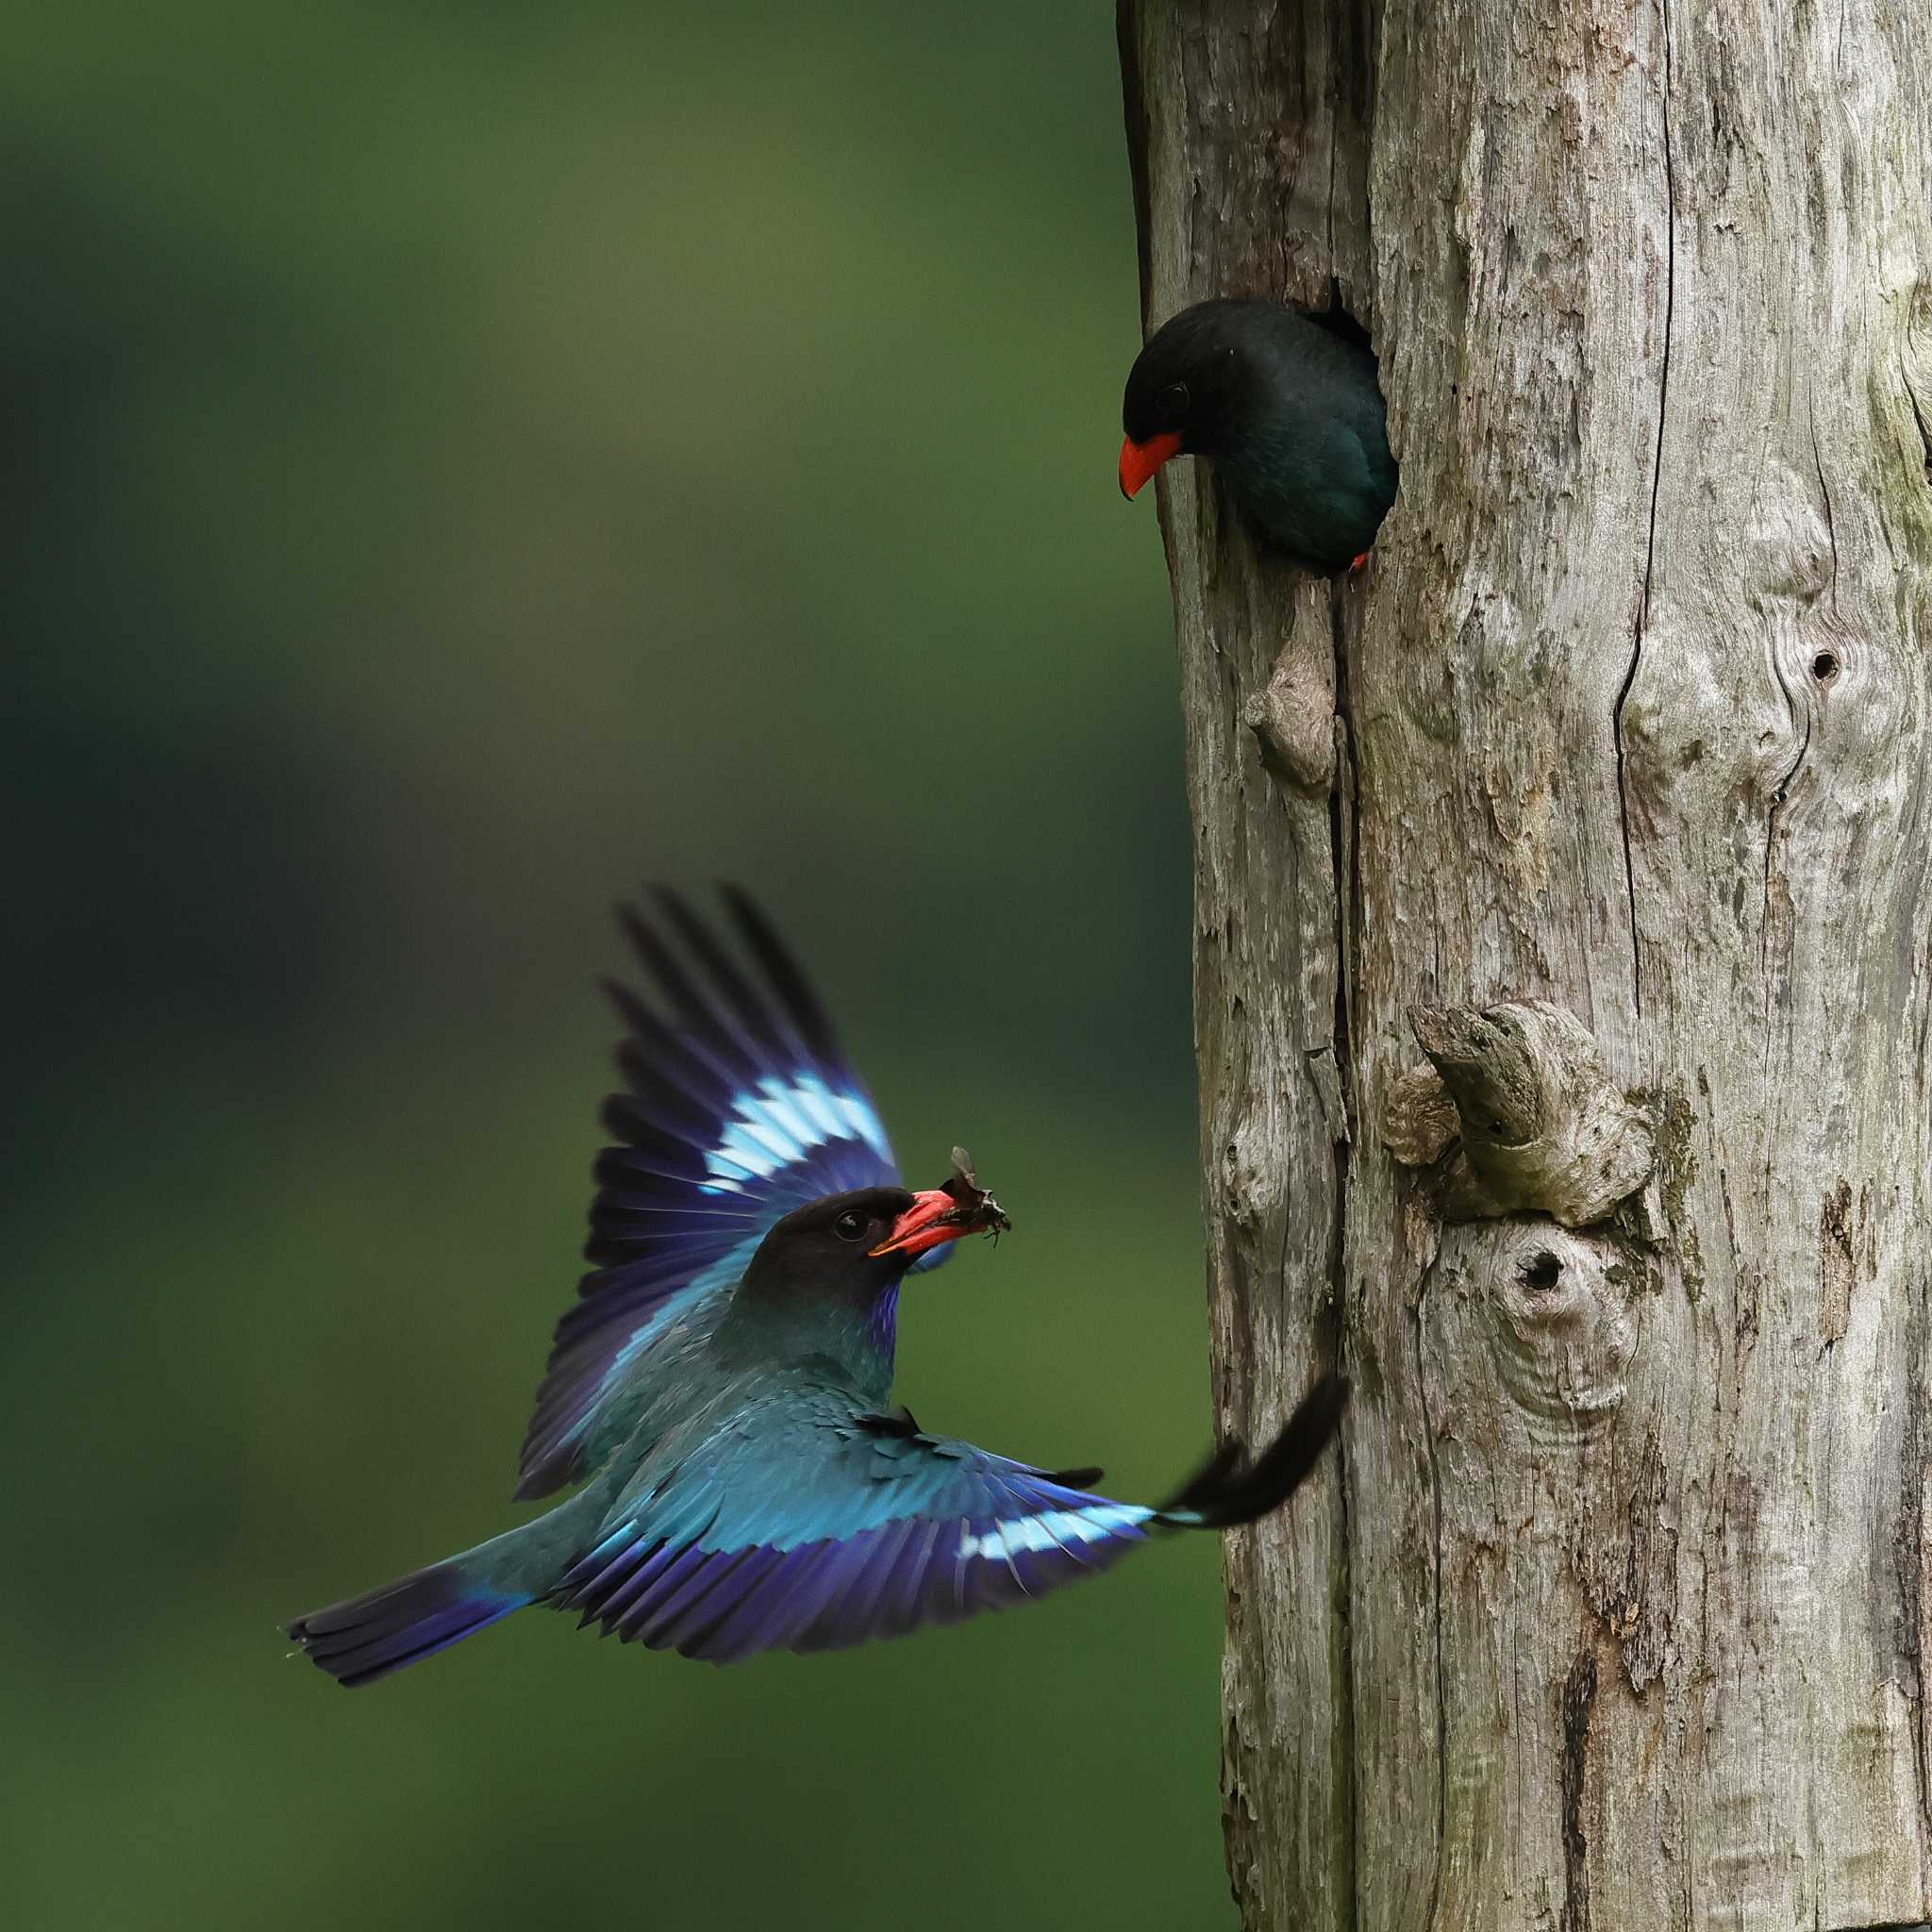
<point x="459" y="462"/>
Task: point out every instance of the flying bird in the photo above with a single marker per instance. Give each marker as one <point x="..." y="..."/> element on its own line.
<point x="721" y="1387"/>
<point x="1285" y="405"/>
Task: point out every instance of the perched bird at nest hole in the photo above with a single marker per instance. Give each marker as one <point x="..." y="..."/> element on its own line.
<point x="720" y="1386"/>
<point x="1287" y="407"/>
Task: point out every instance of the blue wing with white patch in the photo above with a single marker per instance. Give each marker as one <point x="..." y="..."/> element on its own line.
<point x="806" y="1525"/>
<point x="739" y="1106"/>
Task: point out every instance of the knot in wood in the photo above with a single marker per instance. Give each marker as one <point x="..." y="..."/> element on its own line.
<point x="1293" y="717"/>
<point x="1542" y="1128"/>
<point x="1253" y="1170"/>
<point x="1485" y="1061"/>
<point x="1418" y="1120"/>
<point x="1563" y="1329"/>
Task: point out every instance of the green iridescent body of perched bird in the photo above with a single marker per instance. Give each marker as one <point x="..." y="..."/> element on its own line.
<point x="720" y="1385"/>
<point x="1285" y="405"/>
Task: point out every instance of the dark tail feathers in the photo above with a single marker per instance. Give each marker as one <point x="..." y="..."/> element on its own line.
<point x="1229" y="1490"/>
<point x="414" y="1617"/>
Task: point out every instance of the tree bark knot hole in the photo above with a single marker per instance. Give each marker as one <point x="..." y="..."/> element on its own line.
<point x="1560" y="1321"/>
<point x="1541" y="1271"/>
<point x="1517" y="1099"/>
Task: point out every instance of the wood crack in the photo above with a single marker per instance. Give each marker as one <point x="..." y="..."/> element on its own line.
<point x="1779" y="794"/>
<point x="1656" y="473"/>
<point x="1823" y="490"/>
<point x="1345" y="854"/>
<point x="1431" y="1918"/>
<point x="1918" y="417"/>
<point x="1580" y="1700"/>
<point x="1909" y="1547"/>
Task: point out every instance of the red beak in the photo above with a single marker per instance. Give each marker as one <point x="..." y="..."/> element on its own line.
<point x="1138" y="460"/>
<point x="924" y="1225"/>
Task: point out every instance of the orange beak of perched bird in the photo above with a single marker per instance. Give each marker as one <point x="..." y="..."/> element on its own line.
<point x="1138" y="460"/>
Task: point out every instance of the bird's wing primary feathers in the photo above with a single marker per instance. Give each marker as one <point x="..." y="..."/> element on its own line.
<point x="803" y="1523"/>
<point x="807" y="1524"/>
<point x="739" y="1106"/>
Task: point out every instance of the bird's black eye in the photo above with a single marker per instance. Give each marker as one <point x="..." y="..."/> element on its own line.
<point x="1172" y="402"/>
<point x="851" y="1225"/>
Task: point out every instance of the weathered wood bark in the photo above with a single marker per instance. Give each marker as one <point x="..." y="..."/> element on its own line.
<point x="1607" y="785"/>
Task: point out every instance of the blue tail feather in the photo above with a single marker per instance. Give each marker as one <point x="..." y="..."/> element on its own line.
<point x="367" y="1636"/>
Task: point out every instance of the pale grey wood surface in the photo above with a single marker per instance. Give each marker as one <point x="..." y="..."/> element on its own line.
<point x="1612" y="1613"/>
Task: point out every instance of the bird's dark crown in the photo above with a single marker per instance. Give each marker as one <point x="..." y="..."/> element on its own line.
<point x="826" y="1248"/>
<point x="1200" y="374"/>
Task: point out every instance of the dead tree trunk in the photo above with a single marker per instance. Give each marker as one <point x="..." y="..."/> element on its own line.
<point x="1562" y="972"/>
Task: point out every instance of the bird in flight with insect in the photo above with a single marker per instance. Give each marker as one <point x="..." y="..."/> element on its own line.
<point x="721" y="1388"/>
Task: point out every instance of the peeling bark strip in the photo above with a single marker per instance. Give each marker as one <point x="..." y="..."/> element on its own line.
<point x="1633" y="724"/>
<point x="1837" y="1267"/>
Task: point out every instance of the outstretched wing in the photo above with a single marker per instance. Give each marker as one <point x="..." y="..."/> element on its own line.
<point x="739" y="1106"/>
<point x="806" y="1525"/>
<point x="802" y="1523"/>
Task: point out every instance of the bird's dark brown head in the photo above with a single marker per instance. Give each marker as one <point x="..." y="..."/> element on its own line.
<point x="1192" y="387"/>
<point x="855" y="1245"/>
<point x="837" y="1240"/>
